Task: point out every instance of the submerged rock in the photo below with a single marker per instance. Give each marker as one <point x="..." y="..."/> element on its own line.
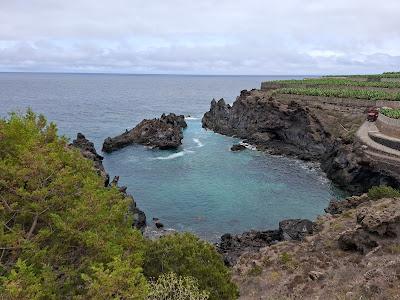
<point x="163" y="133"/>
<point x="238" y="147"/>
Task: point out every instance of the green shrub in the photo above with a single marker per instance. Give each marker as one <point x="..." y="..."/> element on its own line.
<point x="186" y="255"/>
<point x="391" y="113"/>
<point x="56" y="218"/>
<point x="172" y="287"/>
<point x="383" y="191"/>
<point x="63" y="235"/>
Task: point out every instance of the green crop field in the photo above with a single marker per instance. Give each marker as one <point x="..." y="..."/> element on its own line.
<point x="391" y="113"/>
<point x="376" y="76"/>
<point x="339" y="82"/>
<point x="341" y="93"/>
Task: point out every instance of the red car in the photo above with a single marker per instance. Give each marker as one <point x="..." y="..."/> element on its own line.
<point x="372" y="114"/>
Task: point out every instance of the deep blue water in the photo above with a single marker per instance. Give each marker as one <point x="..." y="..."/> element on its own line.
<point x="201" y="187"/>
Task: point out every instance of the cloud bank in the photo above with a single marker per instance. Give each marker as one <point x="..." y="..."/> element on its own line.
<point x="200" y="37"/>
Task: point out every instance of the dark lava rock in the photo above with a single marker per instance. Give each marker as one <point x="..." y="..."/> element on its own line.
<point x="163" y="133"/>
<point x="295" y="229"/>
<point x="88" y="150"/>
<point x="358" y="240"/>
<point x="293" y="129"/>
<point x="159" y="225"/>
<point x="238" y="147"/>
<point x="336" y="207"/>
<point x="232" y="246"/>
<point x="139" y="219"/>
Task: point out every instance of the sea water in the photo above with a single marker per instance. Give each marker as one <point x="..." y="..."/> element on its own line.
<point x="202" y="187"/>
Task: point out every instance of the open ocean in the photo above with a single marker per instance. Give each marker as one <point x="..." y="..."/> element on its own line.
<point x="202" y="187"/>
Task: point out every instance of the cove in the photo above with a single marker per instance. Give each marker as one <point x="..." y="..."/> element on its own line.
<point x="205" y="188"/>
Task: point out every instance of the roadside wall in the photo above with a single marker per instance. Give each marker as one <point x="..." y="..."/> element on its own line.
<point x="388" y="126"/>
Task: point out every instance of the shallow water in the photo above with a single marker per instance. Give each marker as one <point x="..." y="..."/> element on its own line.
<point x="202" y="187"/>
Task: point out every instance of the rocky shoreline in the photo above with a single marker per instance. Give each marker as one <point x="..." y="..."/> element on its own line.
<point x="88" y="151"/>
<point x="308" y="132"/>
<point x="233" y="246"/>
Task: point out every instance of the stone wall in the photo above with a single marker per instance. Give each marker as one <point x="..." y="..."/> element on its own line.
<point x="388" y="126"/>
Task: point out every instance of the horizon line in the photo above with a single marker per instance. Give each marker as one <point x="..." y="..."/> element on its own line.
<point x="153" y="74"/>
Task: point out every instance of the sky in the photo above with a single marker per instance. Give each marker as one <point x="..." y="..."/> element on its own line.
<point x="235" y="37"/>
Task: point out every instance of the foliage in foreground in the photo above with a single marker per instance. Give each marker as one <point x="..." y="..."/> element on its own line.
<point x="187" y="255"/>
<point x="171" y="287"/>
<point x="62" y="234"/>
<point x="383" y="191"/>
<point x="391" y="113"/>
<point x="341" y="93"/>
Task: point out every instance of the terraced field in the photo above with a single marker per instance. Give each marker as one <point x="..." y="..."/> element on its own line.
<point x="366" y="87"/>
<point x="339" y="82"/>
<point x="341" y="93"/>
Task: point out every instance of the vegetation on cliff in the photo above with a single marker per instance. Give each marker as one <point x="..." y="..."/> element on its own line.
<point x="64" y="235"/>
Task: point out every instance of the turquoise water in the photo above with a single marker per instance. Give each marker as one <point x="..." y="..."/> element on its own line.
<point x="208" y="189"/>
<point x="202" y="187"/>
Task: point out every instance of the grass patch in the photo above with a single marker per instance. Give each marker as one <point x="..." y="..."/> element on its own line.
<point x="255" y="271"/>
<point x="274" y="276"/>
<point x="394" y="249"/>
<point x="288" y="260"/>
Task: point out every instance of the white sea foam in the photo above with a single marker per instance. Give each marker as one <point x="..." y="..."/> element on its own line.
<point x="191" y="118"/>
<point x="172" y="156"/>
<point x="248" y="146"/>
<point x="197" y="141"/>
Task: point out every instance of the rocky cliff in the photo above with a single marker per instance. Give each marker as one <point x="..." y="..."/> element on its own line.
<point x="352" y="255"/>
<point x="304" y="127"/>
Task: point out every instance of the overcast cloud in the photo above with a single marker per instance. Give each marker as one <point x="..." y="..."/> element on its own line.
<point x="200" y="37"/>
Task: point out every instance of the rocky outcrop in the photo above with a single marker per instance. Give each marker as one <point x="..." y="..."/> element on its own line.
<point x="353" y="255"/>
<point x="336" y="207"/>
<point x="89" y="151"/>
<point x="163" y="133"/>
<point x="308" y="130"/>
<point x="295" y="229"/>
<point x="233" y="246"/>
<point x="375" y="227"/>
<point x="277" y="127"/>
